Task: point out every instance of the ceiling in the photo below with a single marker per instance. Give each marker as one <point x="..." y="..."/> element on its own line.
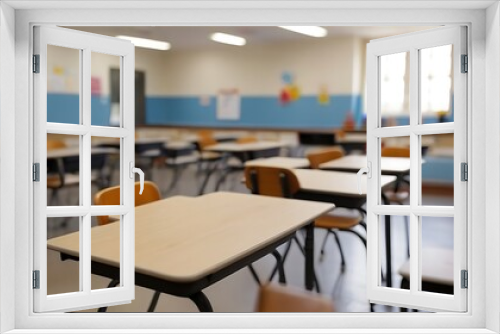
<point x="182" y="38"/>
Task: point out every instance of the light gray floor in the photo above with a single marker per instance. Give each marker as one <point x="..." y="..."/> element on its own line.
<point x="237" y="293"/>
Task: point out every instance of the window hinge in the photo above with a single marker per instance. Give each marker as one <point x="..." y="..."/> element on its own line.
<point x="36" y="279"/>
<point x="36" y="63"/>
<point x="465" y="64"/>
<point x="465" y="279"/>
<point x="36" y="172"/>
<point x="464" y="171"/>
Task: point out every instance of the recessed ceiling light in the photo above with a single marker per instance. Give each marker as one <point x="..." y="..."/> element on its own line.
<point x="147" y="43"/>
<point x="228" y="39"/>
<point x="312" y="31"/>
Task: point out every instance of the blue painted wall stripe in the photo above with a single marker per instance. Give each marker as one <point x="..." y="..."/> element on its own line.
<point x="256" y="111"/>
<point x="64" y="108"/>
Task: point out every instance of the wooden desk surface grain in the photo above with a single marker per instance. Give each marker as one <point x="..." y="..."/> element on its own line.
<point x="185" y="239"/>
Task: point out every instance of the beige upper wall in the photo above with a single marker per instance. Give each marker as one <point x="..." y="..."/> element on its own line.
<point x="255" y="70"/>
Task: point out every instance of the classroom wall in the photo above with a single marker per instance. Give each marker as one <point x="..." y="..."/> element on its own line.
<point x="256" y="71"/>
<point x="178" y="81"/>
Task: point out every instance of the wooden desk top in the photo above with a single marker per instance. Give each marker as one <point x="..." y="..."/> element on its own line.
<point x="341" y="183"/>
<point x="352" y="138"/>
<point x="247" y="147"/>
<point x="279" y="162"/>
<point x="185" y="239"/>
<point x="75" y="151"/>
<point x="356" y="162"/>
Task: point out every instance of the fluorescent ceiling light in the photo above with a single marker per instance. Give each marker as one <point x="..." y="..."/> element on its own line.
<point x="147" y="43"/>
<point x="228" y="39"/>
<point x="312" y="31"/>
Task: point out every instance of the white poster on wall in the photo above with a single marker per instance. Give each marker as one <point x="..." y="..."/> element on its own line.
<point x="228" y="104"/>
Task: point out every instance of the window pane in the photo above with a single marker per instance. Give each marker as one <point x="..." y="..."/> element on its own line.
<point x="106" y="248"/>
<point x="395" y="161"/>
<point x="436" y="87"/>
<point x="437" y="169"/>
<point x="63" y="85"/>
<point x="105" y="169"/>
<point x="394" y="106"/>
<point x="63" y="170"/>
<point x="399" y="250"/>
<point x="437" y="254"/>
<point x="62" y="276"/>
<point x="105" y="90"/>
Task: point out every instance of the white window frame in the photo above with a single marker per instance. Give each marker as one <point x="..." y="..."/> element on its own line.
<point x="85" y="44"/>
<point x="484" y="308"/>
<point x="413" y="44"/>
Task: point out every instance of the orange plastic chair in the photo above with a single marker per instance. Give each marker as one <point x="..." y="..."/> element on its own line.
<point x="246" y="140"/>
<point x="111" y="196"/>
<point x="318" y="157"/>
<point x="281" y="182"/>
<point x="53" y="144"/>
<point x="278" y="298"/>
<point x="396" y="152"/>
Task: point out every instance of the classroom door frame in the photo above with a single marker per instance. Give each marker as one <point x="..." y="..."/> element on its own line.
<point x="476" y="316"/>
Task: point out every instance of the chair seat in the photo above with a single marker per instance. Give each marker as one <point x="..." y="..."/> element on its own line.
<point x="331" y="220"/>
<point x="279" y="298"/>
<point x="437" y="266"/>
<point x="399" y="196"/>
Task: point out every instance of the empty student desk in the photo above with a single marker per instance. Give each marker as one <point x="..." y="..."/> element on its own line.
<point x="341" y="189"/>
<point x="184" y="245"/>
<point x="353" y="163"/>
<point x="352" y="142"/>
<point x="279" y="162"/>
<point x="241" y="151"/>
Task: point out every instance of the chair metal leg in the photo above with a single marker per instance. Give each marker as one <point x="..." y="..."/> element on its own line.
<point x="254" y="274"/>
<point x="111" y="284"/>
<point x="281" y="269"/>
<point x="154" y="301"/>
<point x="342" y="258"/>
<point x="323" y="245"/>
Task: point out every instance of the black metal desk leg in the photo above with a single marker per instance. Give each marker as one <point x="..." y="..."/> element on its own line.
<point x="201" y="302"/>
<point x="208" y="173"/>
<point x="388" y="253"/>
<point x="309" y="250"/>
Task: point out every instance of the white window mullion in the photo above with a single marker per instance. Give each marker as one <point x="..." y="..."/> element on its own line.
<point x="67" y="129"/>
<point x="85" y="173"/>
<point x="415" y="158"/>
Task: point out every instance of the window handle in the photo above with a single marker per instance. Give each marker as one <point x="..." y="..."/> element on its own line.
<point x="138" y="171"/>
<point x="365" y="170"/>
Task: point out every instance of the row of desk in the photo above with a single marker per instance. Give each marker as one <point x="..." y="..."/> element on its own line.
<point x="204" y="239"/>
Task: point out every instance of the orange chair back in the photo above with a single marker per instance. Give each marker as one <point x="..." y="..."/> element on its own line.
<point x="246" y="140"/>
<point x="205" y="142"/>
<point x="319" y="157"/>
<point x="279" y="298"/>
<point x="53" y="144"/>
<point x="111" y="196"/>
<point x="396" y="152"/>
<point x="270" y="181"/>
<point x="205" y="134"/>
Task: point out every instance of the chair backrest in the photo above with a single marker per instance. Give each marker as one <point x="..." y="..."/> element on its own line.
<point x="111" y="196"/>
<point x="53" y="144"/>
<point x="396" y="152"/>
<point x="205" y="133"/>
<point x="279" y="298"/>
<point x="205" y="142"/>
<point x="246" y="140"/>
<point x="319" y="157"/>
<point x="271" y="181"/>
